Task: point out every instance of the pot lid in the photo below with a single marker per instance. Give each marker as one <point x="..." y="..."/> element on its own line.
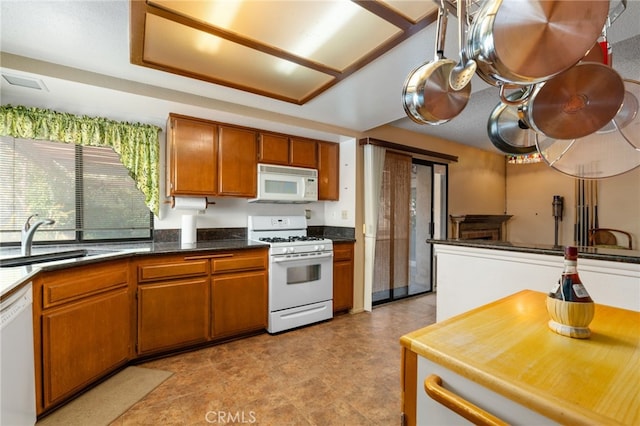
<point x="577" y="102"/>
<point x="611" y="151"/>
<point x="627" y="120"/>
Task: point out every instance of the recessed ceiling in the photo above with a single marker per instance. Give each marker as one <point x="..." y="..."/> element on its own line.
<point x="241" y="44"/>
<point x="80" y="49"/>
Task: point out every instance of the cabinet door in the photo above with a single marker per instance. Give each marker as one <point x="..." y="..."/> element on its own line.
<point x="237" y="162"/>
<point x="83" y="341"/>
<point x="239" y="303"/>
<point x="342" y="277"/>
<point x="192" y="153"/>
<point x="274" y="149"/>
<point x="328" y="171"/>
<point x="303" y="153"/>
<point x="172" y="314"/>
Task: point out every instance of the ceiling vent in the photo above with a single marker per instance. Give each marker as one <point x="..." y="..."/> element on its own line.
<point x="29" y="82"/>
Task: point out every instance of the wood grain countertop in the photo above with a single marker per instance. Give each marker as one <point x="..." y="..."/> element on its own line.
<point x="507" y="347"/>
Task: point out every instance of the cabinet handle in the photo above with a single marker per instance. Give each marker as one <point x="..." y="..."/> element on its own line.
<point x="208" y="256"/>
<point x="433" y="388"/>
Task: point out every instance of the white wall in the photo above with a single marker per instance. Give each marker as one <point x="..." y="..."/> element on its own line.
<point x="342" y="213"/>
<point x="530" y="191"/>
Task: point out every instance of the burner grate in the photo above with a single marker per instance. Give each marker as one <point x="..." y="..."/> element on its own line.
<point x="289" y="239"/>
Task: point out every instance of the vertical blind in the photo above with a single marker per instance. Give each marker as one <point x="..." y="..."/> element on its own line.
<point x="392" y="239"/>
<point x="85" y="189"/>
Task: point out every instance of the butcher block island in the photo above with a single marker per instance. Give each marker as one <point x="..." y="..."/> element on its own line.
<point x="501" y="364"/>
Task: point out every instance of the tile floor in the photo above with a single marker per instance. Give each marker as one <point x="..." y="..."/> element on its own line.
<point x="342" y="372"/>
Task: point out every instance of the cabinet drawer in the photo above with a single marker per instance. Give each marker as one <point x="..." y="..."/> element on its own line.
<point x="239" y="262"/>
<point x="173" y="269"/>
<point x="342" y="252"/>
<point x="85" y="281"/>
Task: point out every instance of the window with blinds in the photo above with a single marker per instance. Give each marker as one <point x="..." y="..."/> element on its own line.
<point x="86" y="190"/>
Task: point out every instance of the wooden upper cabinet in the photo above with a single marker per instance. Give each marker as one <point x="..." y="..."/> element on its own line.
<point x="192" y="155"/>
<point x="303" y="153"/>
<point x="237" y="162"/>
<point x="206" y="158"/>
<point x="273" y="149"/>
<point x="288" y="151"/>
<point x="328" y="171"/>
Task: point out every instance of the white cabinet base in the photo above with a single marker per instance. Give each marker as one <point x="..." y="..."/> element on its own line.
<point x="430" y="412"/>
<point x="469" y="277"/>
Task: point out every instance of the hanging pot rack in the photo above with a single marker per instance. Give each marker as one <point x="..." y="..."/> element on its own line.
<point x="614" y="137"/>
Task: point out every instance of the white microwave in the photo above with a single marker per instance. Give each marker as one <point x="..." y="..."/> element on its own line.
<point x="283" y="184"/>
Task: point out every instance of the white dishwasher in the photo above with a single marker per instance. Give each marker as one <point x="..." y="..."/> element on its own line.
<point x="17" y="376"/>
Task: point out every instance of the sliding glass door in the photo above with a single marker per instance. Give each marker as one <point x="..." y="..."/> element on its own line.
<point x="412" y="209"/>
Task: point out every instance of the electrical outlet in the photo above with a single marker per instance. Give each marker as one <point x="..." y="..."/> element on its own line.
<point x="345" y="214"/>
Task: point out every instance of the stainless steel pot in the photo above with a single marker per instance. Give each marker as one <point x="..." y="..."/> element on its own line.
<point x="527" y="42"/>
<point x="427" y="96"/>
<point x="507" y="129"/>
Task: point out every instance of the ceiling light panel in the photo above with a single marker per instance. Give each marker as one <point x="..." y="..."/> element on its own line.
<point x="412" y="9"/>
<point x="288" y="50"/>
<point x="201" y="55"/>
<point x="335" y="33"/>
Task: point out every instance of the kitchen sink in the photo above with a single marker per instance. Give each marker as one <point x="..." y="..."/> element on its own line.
<point x="46" y="257"/>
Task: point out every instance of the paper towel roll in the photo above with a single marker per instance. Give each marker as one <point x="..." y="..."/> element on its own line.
<point x="189" y="229"/>
<point x="190" y="203"/>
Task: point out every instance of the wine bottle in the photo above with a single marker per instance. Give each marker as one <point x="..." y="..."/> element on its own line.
<point x="569" y="305"/>
<point x="570" y="287"/>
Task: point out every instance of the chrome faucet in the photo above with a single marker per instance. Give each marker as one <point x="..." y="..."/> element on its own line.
<point x="28" y="231"/>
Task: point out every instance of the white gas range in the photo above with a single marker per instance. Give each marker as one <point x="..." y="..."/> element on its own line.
<point x="300" y="271"/>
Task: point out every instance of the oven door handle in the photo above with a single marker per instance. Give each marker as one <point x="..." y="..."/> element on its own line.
<point x="294" y="259"/>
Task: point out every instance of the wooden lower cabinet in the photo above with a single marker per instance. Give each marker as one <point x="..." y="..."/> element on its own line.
<point x="239" y="303"/>
<point x="172" y="314"/>
<point x="93" y="319"/>
<point x="342" y="276"/>
<point x="82" y="319"/>
<point x="83" y="341"/>
<point x="184" y="300"/>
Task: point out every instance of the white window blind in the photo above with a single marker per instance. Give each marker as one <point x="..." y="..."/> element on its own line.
<point x="86" y="190"/>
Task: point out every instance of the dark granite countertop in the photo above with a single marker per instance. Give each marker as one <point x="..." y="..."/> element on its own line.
<point x="613" y="255"/>
<point x="11" y="278"/>
<point x="342" y="239"/>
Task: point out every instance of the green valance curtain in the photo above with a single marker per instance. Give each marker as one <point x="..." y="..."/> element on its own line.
<point x="136" y="144"/>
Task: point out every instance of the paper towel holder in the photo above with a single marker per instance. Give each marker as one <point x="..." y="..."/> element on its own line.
<point x="173" y="201"/>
